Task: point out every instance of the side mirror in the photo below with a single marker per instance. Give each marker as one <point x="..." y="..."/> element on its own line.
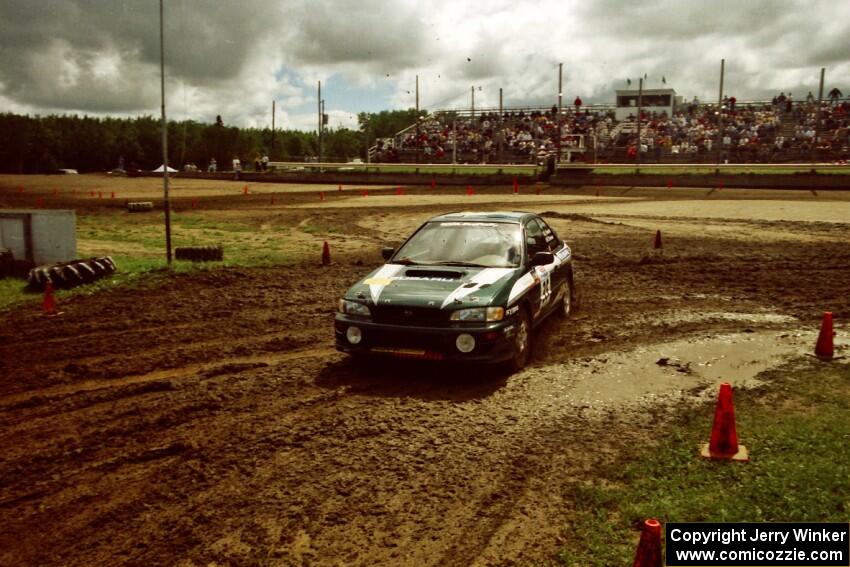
<point x="387" y="252"/>
<point x="542" y="259"/>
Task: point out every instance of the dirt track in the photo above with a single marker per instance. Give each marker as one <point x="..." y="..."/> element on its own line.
<point x="208" y="420"/>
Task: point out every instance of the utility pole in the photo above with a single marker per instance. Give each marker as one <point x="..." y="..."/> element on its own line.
<point x="501" y="127"/>
<point x="273" y="112"/>
<point x="418" y="145"/>
<point x="560" y="106"/>
<point x="319" y="101"/>
<point x="817" y="119"/>
<point x="640" y="111"/>
<point x="166" y="200"/>
<point x="720" y="113"/>
<point x="473" y="102"/>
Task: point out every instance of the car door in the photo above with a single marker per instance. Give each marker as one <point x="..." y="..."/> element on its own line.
<point x="562" y="253"/>
<point x="535" y="241"/>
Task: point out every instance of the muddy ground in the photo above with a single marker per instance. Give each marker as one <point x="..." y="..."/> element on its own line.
<point x="205" y="418"/>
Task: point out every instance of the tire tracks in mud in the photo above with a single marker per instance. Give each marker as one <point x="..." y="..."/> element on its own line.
<point x="308" y="457"/>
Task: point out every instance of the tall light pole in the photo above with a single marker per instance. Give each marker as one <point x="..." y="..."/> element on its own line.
<point x="640" y="112"/>
<point x="321" y="118"/>
<point x="720" y="114"/>
<point x="166" y="201"/>
<point x="560" y="106"/>
<point x="817" y="119"/>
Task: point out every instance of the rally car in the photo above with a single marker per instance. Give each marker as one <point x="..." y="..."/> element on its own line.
<point x="468" y="286"/>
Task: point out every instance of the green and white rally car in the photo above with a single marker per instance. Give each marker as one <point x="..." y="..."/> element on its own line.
<point x="465" y="286"/>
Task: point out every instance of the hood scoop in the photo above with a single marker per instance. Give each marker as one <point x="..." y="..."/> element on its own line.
<point x="433" y="274"/>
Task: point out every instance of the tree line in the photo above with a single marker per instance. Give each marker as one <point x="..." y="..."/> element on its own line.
<point x="44" y="144"/>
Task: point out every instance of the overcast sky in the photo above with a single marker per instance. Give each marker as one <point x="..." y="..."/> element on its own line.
<point x="234" y="57"/>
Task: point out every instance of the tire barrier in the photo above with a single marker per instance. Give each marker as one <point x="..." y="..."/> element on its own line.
<point x="7" y="263"/>
<point x="200" y="253"/>
<point x="139" y="206"/>
<point x="70" y="274"/>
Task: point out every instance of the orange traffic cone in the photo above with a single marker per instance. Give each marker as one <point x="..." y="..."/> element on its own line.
<point x="245" y="190"/>
<point x="48" y="306"/>
<point x="656" y="243"/>
<point x="321" y="195"/>
<point x="824" y="348"/>
<point x="326" y="254"/>
<point x="649" y="549"/>
<point x="724" y="437"/>
<point x="339" y="188"/>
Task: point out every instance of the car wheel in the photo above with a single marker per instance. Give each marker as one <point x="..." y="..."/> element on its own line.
<point x="565" y="309"/>
<point x="522" y="342"/>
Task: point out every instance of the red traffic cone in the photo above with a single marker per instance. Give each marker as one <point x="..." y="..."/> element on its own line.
<point x="720" y="185"/>
<point x="321" y="195"/>
<point x="245" y="190"/>
<point x="339" y="188"/>
<point x="399" y="190"/>
<point x="516" y="186"/>
<point x="326" y="254"/>
<point x="669" y="184"/>
<point x="365" y="193"/>
<point x="91" y="193"/>
<point x="656" y="243"/>
<point x="824" y="348"/>
<point x="194" y="203"/>
<point x="20" y="188"/>
<point x="469" y="191"/>
<point x="433" y="184"/>
<point x="724" y="437"/>
<point x="649" y="549"/>
<point x="48" y="306"/>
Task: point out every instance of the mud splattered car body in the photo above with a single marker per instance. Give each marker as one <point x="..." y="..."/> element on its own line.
<point x="464" y="286"/>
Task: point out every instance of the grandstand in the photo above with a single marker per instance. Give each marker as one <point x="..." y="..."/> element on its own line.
<point x="775" y="131"/>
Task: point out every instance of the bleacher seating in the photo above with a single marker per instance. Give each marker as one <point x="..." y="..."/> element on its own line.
<point x="754" y="132"/>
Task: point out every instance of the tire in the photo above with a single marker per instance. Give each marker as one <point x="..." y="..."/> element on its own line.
<point x="567" y="303"/>
<point x="70" y="274"/>
<point x="200" y="253"/>
<point x="7" y="263"/>
<point x="139" y="206"/>
<point x="522" y="342"/>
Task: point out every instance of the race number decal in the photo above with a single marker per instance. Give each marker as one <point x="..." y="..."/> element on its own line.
<point x="545" y="285"/>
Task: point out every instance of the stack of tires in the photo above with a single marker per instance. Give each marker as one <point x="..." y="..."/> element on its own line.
<point x="7" y="263"/>
<point x="200" y="253"/>
<point x="140" y="206"/>
<point x="70" y="274"/>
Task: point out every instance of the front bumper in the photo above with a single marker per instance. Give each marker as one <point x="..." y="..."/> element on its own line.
<point x="494" y="342"/>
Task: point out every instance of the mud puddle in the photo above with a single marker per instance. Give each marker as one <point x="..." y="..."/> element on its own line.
<point x="662" y="371"/>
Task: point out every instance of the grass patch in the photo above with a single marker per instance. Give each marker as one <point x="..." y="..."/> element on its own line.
<point x="796" y="431"/>
<point x="137" y="244"/>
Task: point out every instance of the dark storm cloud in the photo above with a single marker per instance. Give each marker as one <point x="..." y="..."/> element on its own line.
<point x="370" y="32"/>
<point x="206" y="42"/>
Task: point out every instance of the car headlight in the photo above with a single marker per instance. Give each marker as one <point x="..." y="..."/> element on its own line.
<point x="353" y="308"/>
<point x="479" y="314"/>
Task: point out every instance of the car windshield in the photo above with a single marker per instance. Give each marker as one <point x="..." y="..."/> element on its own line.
<point x="485" y="244"/>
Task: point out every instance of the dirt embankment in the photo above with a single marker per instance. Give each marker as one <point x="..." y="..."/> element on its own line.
<point x="208" y="420"/>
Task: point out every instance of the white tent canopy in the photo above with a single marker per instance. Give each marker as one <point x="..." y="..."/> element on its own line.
<point x="160" y="169"/>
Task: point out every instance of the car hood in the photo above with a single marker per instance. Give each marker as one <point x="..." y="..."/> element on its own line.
<point x="442" y="287"/>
